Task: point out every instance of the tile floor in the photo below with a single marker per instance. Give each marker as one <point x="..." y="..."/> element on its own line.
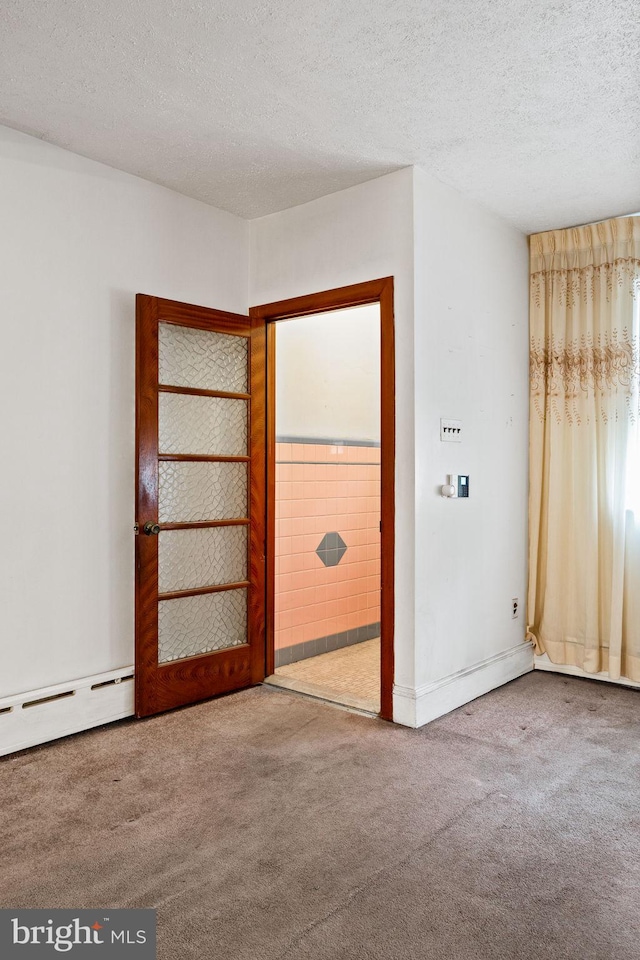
<point x="350" y="676"/>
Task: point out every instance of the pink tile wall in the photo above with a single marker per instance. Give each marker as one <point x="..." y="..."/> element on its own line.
<point x="319" y="489"/>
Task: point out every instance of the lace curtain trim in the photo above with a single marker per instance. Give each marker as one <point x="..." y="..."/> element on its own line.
<point x="572" y="285"/>
<point x="562" y="373"/>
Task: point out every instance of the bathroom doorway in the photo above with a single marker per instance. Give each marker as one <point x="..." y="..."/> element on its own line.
<point x="329" y="624"/>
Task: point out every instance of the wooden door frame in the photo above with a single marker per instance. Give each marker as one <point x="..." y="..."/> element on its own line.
<point x="263" y="320"/>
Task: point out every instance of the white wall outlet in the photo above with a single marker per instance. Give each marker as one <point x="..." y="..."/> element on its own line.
<point x="515" y="608"/>
<point x="451" y="430"/>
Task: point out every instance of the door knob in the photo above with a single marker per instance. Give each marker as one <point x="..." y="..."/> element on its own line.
<point x="151" y="529"/>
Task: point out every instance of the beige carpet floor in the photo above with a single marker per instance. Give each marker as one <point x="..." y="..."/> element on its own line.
<point x="267" y="826"/>
<point x="350" y="675"/>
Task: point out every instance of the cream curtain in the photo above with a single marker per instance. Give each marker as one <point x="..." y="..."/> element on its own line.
<point x="584" y="503"/>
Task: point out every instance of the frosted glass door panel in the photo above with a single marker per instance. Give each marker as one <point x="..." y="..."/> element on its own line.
<point x="190" y="492"/>
<point x="189" y="626"/>
<point x="203" y="557"/>
<point x="200" y="467"/>
<point x="202" y="425"/>
<point x="203" y="359"/>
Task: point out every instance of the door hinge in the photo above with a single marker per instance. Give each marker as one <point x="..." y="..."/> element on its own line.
<point x="136" y="529"/>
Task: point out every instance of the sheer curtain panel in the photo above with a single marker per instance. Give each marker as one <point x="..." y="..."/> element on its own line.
<point x="584" y="504"/>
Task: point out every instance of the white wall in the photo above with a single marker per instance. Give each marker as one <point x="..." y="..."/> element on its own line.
<point x="471" y="359"/>
<point x="359" y="234"/>
<point x="461" y="303"/>
<point x="328" y="375"/>
<point x="78" y="240"/>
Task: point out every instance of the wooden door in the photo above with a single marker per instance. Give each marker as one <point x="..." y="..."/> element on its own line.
<point x="200" y="503"/>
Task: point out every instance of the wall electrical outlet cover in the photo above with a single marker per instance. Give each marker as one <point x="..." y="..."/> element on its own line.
<point x="451" y="431"/>
<point x="516" y="608"/>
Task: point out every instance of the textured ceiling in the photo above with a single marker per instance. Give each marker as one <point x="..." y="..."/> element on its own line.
<point x="530" y="108"/>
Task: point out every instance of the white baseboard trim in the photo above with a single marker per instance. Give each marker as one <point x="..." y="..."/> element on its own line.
<point x="543" y="663"/>
<point x="38" y="716"/>
<point x="415" y="707"/>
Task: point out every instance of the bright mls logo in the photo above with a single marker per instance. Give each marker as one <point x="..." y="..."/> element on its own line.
<point x="83" y="934"/>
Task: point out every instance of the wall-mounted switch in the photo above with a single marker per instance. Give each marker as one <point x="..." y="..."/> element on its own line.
<point x="451" y="430"/>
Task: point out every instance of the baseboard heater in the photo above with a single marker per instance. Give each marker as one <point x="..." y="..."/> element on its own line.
<point x="542" y="662"/>
<point x="49" y="713"/>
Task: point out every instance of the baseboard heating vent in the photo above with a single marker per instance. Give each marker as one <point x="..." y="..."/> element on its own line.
<point x="110" y="683"/>
<point x="38" y="716"/>
<point x="56" y="696"/>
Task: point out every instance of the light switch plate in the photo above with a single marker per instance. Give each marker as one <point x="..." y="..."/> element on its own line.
<point x="451" y="430"/>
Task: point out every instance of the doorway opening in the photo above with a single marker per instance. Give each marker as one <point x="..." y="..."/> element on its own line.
<point x="330" y="466"/>
<point x="327" y="506"/>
